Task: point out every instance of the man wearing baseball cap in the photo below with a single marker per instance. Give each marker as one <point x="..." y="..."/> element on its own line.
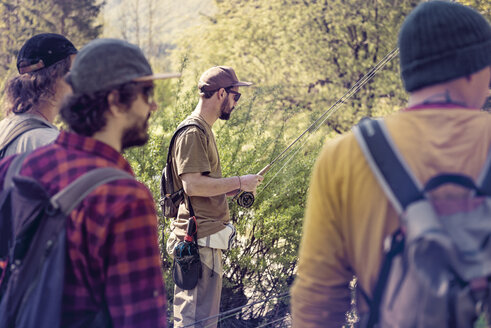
<point x="34" y="96"/>
<point x="196" y="168"/>
<point x="113" y="268"/>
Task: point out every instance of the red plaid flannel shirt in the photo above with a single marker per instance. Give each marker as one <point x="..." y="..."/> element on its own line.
<point x="113" y="252"/>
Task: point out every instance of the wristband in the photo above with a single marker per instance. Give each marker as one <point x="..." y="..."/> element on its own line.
<point x="240" y="183"/>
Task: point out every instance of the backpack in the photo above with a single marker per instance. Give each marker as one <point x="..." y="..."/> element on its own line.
<point x="437" y="266"/>
<point x="17" y="131"/>
<point x="33" y="247"/>
<point x="170" y="199"/>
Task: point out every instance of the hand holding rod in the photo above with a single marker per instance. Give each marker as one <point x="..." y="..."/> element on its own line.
<point x="246" y="198"/>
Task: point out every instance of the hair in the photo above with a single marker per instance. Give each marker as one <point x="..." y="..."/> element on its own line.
<point x="85" y="114"/>
<point x="25" y="91"/>
<point x="206" y="94"/>
<point x="209" y="94"/>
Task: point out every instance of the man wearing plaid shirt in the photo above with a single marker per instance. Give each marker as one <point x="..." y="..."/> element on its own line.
<point x="113" y="259"/>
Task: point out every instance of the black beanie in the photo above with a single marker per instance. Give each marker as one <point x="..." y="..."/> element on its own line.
<point x="440" y="41"/>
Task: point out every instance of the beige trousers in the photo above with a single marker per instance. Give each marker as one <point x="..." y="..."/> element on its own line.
<point x="191" y="306"/>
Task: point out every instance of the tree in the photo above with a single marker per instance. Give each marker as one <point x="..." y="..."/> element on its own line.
<point x="77" y="19"/>
<point x="21" y="19"/>
<point x="153" y="25"/>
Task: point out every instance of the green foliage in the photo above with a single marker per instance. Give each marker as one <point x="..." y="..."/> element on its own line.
<point x="483" y="6"/>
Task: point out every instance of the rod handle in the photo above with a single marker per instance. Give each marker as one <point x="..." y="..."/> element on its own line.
<point x="264" y="170"/>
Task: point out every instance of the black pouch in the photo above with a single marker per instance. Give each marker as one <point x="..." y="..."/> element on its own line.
<point x="170" y="203"/>
<point x="186" y="270"/>
<point x="169" y="200"/>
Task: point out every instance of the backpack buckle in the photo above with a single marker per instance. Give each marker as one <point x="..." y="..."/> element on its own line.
<point x="394" y="244"/>
<point x="52" y="208"/>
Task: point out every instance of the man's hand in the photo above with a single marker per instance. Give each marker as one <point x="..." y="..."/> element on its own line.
<point x="250" y="182"/>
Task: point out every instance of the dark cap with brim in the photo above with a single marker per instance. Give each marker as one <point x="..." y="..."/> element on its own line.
<point x="220" y="77"/>
<point x="105" y="64"/>
<point x="43" y="50"/>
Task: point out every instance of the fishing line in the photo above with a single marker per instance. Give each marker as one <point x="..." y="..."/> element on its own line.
<point x="246" y="199"/>
<point x="232" y="312"/>
<point x="272" y="322"/>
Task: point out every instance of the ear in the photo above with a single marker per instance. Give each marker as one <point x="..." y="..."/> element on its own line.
<point x="115" y="108"/>
<point x="221" y="93"/>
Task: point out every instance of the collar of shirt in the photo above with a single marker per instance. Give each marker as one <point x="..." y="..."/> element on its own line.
<point x="437" y="106"/>
<point x="71" y="140"/>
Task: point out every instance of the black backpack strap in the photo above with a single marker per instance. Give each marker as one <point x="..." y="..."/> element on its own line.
<point x="396" y="247"/>
<point x="484" y="180"/>
<point x="176" y="133"/>
<point x="18" y="130"/>
<point x="69" y="197"/>
<point x="169" y="155"/>
<point x="14" y="169"/>
<point x="387" y="164"/>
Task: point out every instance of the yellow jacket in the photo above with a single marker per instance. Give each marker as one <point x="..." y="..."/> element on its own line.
<point x="348" y="216"/>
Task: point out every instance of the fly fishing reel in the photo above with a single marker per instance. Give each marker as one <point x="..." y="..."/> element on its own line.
<point x="245" y="199"/>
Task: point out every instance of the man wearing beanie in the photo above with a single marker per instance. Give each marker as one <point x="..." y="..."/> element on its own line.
<point x="445" y="58"/>
<point x="113" y="274"/>
<point x="34" y="96"/>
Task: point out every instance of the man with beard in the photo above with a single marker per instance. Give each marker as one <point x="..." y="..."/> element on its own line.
<point x="196" y="168"/>
<point x="113" y="261"/>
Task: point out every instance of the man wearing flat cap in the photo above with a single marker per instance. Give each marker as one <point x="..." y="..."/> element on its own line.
<point x="113" y="274"/>
<point x="35" y="95"/>
<point x="196" y="168"/>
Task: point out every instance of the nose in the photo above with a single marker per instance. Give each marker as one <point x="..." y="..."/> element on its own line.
<point x="153" y="106"/>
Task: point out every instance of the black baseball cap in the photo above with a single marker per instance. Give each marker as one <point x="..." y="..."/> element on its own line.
<point x="43" y="50"/>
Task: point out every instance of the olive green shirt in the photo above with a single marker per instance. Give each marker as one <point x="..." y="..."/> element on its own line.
<point x="196" y="151"/>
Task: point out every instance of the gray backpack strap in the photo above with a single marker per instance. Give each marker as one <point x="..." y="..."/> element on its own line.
<point x="18" y="130"/>
<point x="400" y="187"/>
<point x="387" y="164"/>
<point x="69" y="197"/>
<point x="14" y="169"/>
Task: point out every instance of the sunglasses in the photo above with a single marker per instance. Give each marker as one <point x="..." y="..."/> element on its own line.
<point x="235" y="93"/>
<point x="147" y="92"/>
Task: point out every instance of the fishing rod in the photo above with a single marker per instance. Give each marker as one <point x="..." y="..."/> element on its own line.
<point x="246" y="198"/>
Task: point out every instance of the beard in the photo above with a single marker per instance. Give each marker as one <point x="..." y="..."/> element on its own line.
<point x="136" y="135"/>
<point x="224" y="112"/>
